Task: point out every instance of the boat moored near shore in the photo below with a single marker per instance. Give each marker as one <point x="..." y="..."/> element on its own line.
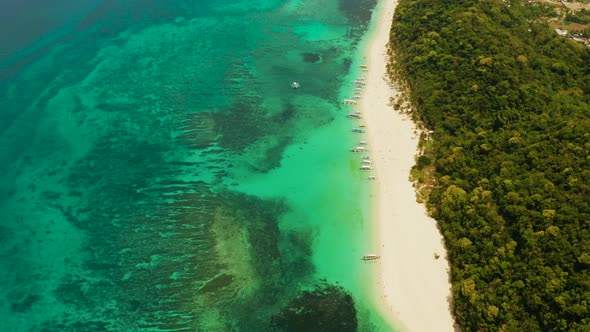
<point x="371" y="257"/>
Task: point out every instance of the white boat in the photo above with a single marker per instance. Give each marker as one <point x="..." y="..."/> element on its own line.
<point x="365" y="167"/>
<point x="358" y="149"/>
<point x="349" y="101"/>
<point x="358" y="130"/>
<point x="366" y="162"/>
<point x="370" y="257"/>
<point x="295" y="85"/>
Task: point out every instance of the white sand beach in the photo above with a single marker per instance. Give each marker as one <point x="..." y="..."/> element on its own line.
<point x="415" y="285"/>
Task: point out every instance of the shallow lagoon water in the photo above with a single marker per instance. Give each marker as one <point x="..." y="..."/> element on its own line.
<point x="159" y="172"/>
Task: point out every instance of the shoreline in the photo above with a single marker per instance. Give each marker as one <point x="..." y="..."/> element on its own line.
<point x="414" y="290"/>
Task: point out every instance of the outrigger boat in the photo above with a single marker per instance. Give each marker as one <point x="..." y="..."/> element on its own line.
<point x="349" y="101"/>
<point x="354" y="116"/>
<point x="365" y="168"/>
<point x="371" y="257"/>
<point x="358" y="130"/>
<point x="358" y="149"/>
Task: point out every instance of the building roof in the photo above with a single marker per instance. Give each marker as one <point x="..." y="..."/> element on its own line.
<point x="561" y="32"/>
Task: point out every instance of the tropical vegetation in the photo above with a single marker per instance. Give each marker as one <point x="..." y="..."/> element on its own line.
<point x="505" y="164"/>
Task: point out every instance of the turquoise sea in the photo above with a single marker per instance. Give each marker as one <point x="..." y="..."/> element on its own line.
<point x="159" y="173"/>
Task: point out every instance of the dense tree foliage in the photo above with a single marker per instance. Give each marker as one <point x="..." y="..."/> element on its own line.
<point x="507" y="101"/>
<point x="581" y="16"/>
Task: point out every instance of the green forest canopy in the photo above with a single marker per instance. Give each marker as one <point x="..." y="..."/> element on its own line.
<point x="508" y="103"/>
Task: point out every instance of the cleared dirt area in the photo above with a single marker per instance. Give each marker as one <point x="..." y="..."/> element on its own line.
<point x="571" y="5"/>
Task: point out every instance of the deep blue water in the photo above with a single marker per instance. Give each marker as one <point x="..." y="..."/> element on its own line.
<point x="126" y="130"/>
<point x="30" y="25"/>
